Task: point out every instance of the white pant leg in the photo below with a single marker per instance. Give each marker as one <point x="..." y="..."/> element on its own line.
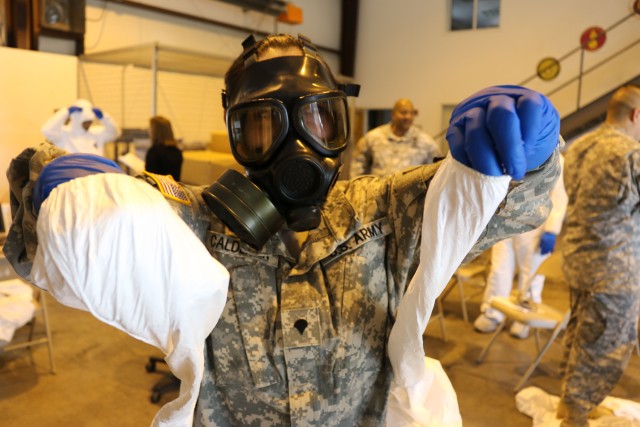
<point x="528" y="259"/>
<point x="500" y="278"/>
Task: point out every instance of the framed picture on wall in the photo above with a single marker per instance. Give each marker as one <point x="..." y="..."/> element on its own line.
<point x="55" y="14"/>
<point x="4" y="24"/>
<point x="60" y="16"/>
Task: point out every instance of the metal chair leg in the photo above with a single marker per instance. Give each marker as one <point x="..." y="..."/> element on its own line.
<point x="537" y="334"/>
<point x="463" y="301"/>
<point x="486" y="348"/>
<point x="45" y="315"/>
<point x="534" y="364"/>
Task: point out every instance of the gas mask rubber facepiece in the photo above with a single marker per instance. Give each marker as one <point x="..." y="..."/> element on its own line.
<point x="288" y="124"/>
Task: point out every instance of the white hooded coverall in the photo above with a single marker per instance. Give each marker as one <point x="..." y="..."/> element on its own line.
<point x="72" y="137"/>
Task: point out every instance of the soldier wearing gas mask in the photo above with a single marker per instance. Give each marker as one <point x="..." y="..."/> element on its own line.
<point x="288" y="124"/>
<point x="302" y="338"/>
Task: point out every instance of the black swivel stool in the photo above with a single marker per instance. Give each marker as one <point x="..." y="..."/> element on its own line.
<point x="167" y="384"/>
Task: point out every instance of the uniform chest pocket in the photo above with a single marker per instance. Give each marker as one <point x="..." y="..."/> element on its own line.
<point x="244" y="340"/>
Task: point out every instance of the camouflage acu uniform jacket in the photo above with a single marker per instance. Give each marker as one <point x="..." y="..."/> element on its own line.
<point x="380" y="152"/>
<point x="602" y="178"/>
<point x="303" y="343"/>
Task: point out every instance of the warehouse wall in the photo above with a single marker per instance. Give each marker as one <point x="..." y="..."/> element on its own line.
<point x="404" y="48"/>
<point x="408" y="50"/>
<point x="111" y="25"/>
<point x="33" y="85"/>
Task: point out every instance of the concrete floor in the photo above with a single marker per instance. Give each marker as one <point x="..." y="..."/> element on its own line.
<point x="101" y="378"/>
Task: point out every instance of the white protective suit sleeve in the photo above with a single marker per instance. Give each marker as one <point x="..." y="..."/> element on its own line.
<point x="111" y="244"/>
<point x="52" y="129"/>
<point x="458" y="206"/>
<point x="107" y="131"/>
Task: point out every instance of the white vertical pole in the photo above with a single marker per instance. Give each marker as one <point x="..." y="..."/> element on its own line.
<point x="154" y="81"/>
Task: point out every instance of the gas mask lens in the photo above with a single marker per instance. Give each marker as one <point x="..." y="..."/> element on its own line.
<point x="255" y="128"/>
<point x="324" y="119"/>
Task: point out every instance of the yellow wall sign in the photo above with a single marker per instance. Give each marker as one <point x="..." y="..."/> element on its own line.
<point x="548" y="68"/>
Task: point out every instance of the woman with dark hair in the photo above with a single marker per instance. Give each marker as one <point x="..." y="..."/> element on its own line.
<point x="164" y="157"/>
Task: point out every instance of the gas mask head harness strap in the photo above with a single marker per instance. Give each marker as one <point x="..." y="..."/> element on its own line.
<point x="288" y="123"/>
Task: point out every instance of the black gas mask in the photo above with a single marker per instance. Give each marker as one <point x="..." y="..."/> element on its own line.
<point x="288" y="124"/>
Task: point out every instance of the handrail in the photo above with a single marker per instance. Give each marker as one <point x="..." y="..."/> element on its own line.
<point x="581" y="48"/>
<point x="594" y="67"/>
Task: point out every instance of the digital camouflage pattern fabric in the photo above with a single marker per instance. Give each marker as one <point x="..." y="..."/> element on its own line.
<point x="22" y="240"/>
<point x="601" y="264"/>
<point x="380" y="152"/>
<point x="304" y="343"/>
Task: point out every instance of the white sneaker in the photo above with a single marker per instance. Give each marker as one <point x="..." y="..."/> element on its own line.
<point x="519" y="330"/>
<point x="485" y="324"/>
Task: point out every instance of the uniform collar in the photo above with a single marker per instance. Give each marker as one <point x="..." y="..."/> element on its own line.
<point x="392" y="136"/>
<point x="339" y="222"/>
<point x="619" y="129"/>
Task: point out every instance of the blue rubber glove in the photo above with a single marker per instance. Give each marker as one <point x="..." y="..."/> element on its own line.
<point x="547" y="243"/>
<point x="98" y="113"/>
<point x="74" y="109"/>
<point x="504" y="130"/>
<point x="68" y="167"/>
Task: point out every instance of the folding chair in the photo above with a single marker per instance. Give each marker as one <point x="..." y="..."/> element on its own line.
<point x="466" y="273"/>
<point x="39" y="300"/>
<point x="535" y="315"/>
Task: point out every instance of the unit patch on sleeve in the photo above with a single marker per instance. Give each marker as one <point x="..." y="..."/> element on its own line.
<point x="169" y="188"/>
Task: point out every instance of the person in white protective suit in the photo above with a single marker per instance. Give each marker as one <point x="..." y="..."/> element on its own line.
<point x="73" y="128"/>
<point x="320" y="325"/>
<point x="522" y="255"/>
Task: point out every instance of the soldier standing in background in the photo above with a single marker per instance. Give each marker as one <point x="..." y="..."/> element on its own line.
<point x="394" y="146"/>
<point x="602" y="257"/>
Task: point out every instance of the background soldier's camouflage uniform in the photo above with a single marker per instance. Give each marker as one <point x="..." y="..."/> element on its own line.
<point x="304" y="343"/>
<point x="601" y="263"/>
<point x="381" y="152"/>
<point x="22" y="241"/>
